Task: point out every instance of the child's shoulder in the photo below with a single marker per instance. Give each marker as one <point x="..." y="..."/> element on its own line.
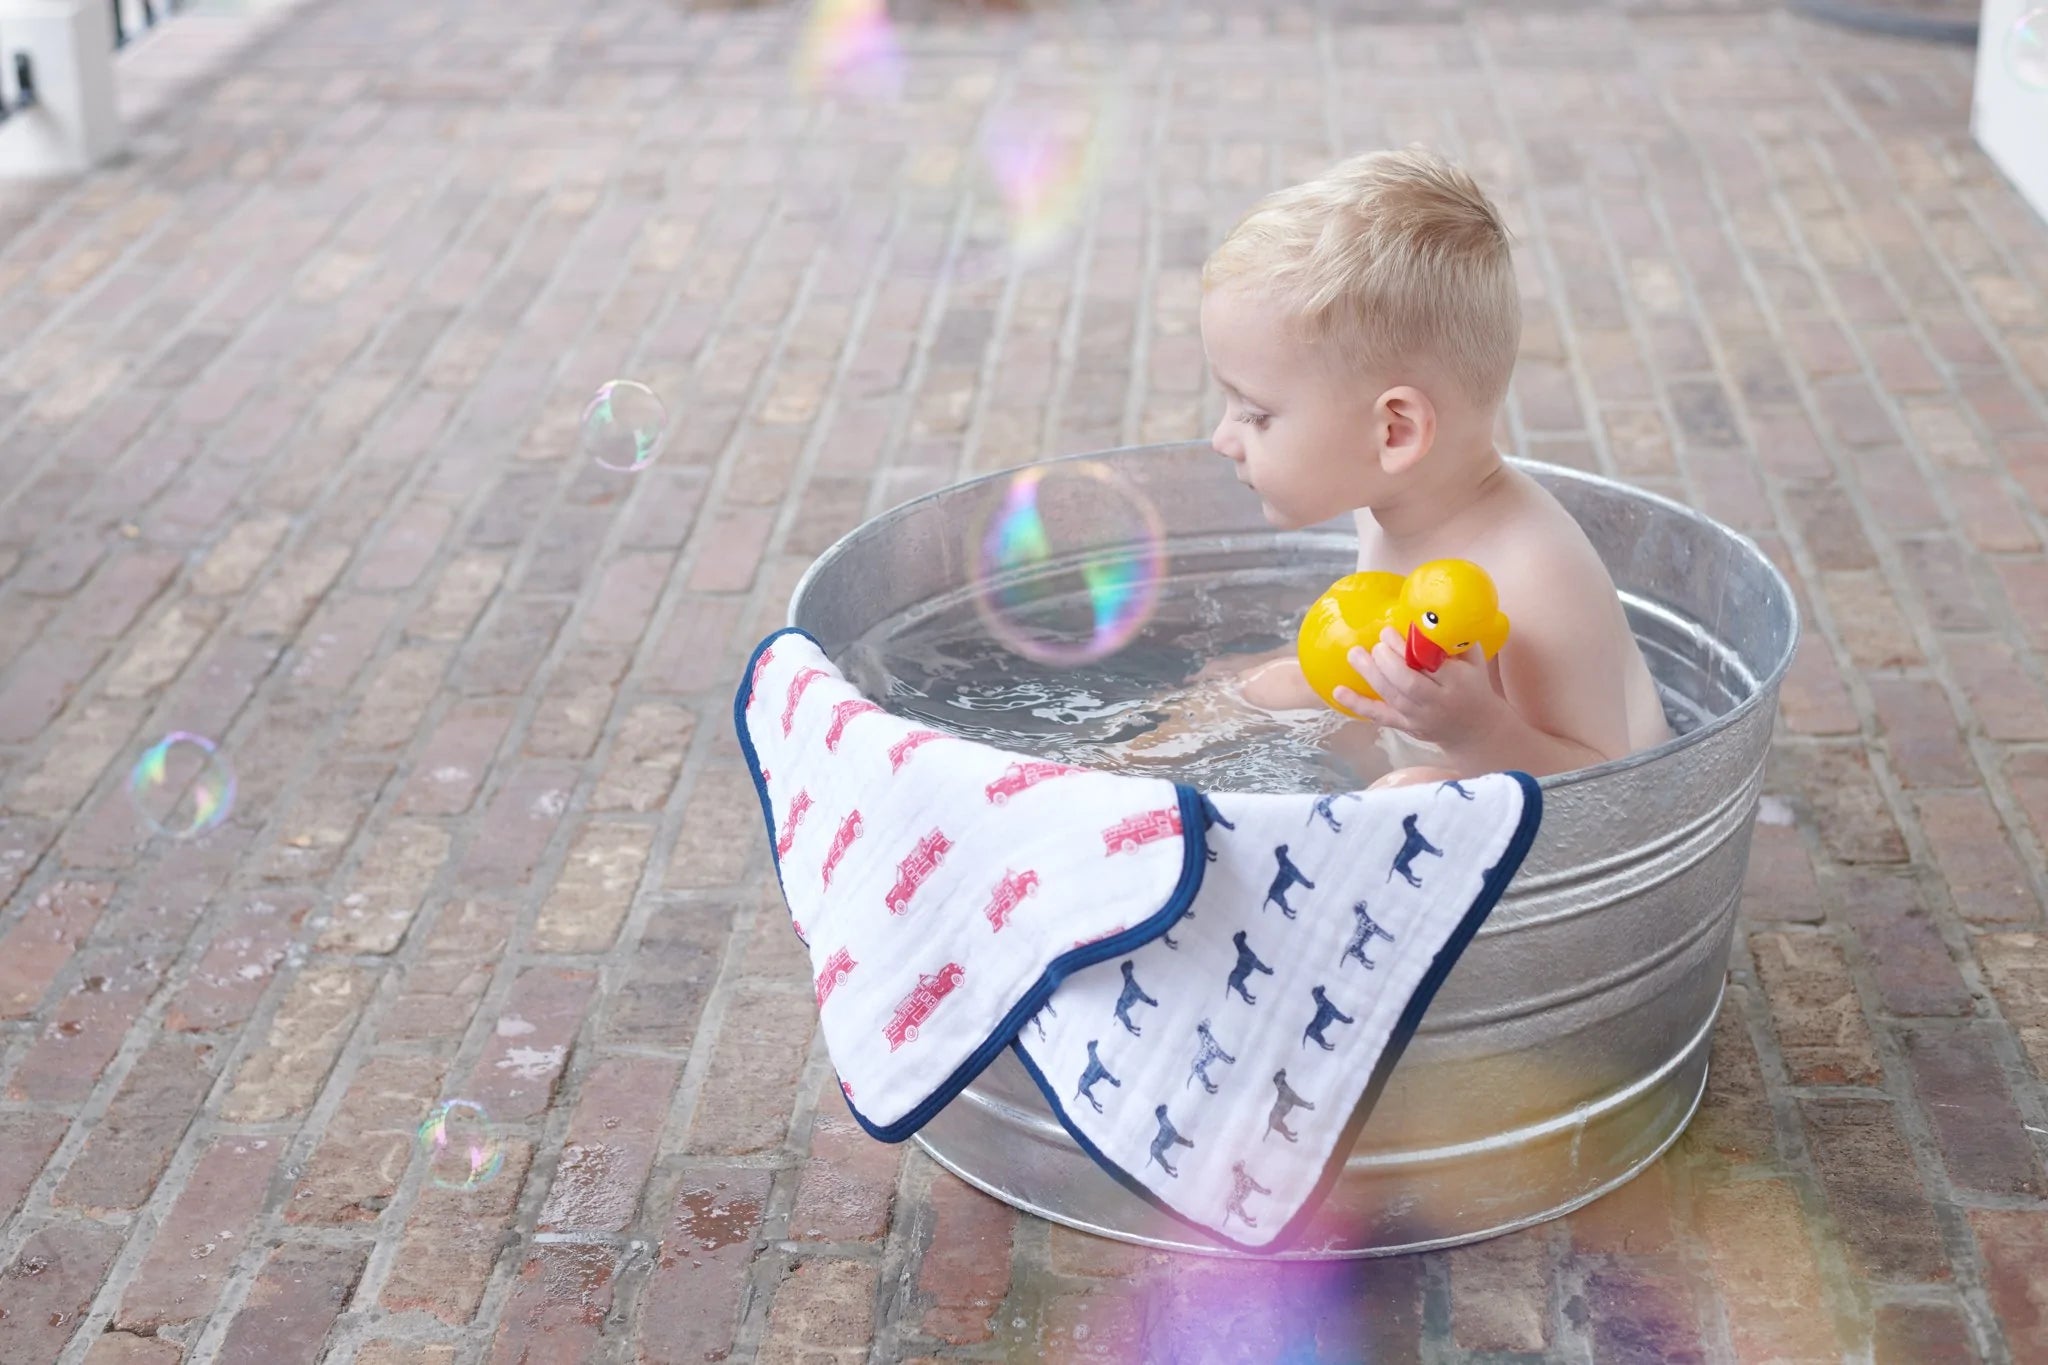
<point x="1538" y="540"/>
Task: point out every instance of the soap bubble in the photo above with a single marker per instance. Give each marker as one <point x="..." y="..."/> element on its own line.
<point x="1068" y="563"/>
<point x="625" y="426"/>
<point x="848" y="48"/>
<point x="2026" y="49"/>
<point x="181" y="786"/>
<point x="462" y="1149"/>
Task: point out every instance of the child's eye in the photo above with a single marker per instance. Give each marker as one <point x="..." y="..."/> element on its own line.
<point x="1257" y="420"/>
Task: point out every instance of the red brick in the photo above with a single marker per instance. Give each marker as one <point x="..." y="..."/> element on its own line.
<point x="353" y="1173"/>
<point x="965" y="1272"/>
<point x="670" y="978"/>
<point x="696" y="1291"/>
<point x="1920" y="733"/>
<point x="50" y="1284"/>
<point x="611" y="1145"/>
<point x="1500" y="1293"/>
<point x="727" y="557"/>
<point x="1988" y="514"/>
<point x="119" y="1348"/>
<point x="1942" y="572"/>
<point x="697" y="651"/>
<point x="1779" y="883"/>
<point x="664" y="508"/>
<point x="1813" y="698"/>
<point x="227" y="982"/>
<point x="720" y="839"/>
<point x="22" y="845"/>
<point x="558" y="1305"/>
<point x="1814" y="1011"/>
<point x="453" y="1239"/>
<point x="1642" y="1311"/>
<point x="565" y="550"/>
<point x="452" y="765"/>
<point x="2007" y="703"/>
<point x="45" y="677"/>
<point x="2015" y="1247"/>
<point x="1922" y="1334"/>
<point x="848" y="1188"/>
<point x="1962" y="1089"/>
<point x="515" y="1077"/>
<point x="756" y="1060"/>
<point x="517" y="825"/>
<point x="54" y="926"/>
<point x="1849" y="810"/>
<point x="293" y="1305"/>
<point x="2026" y="588"/>
<point x="623" y="605"/>
<point x="285" y="1075"/>
<point x="1874" y="1190"/>
<point x="1983" y="874"/>
<point x="340" y="641"/>
<point x="398" y="557"/>
<point x="107" y="606"/>
<point x="504" y="658"/>
<point x="1906" y="958"/>
<point x="1734" y="1121"/>
<point x="186" y="1271"/>
<point x="1634" y="1220"/>
<point x="317" y="828"/>
<point x="82" y="1033"/>
<point x="1829" y="525"/>
<point x="1765" y="1269"/>
<point x="647" y="753"/>
<point x="130" y="1145"/>
<point x="26" y="1141"/>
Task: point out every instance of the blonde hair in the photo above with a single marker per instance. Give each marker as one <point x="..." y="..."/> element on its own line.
<point x="1388" y="255"/>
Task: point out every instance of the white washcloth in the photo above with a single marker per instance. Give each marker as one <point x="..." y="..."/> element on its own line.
<point x="1210" y="991"/>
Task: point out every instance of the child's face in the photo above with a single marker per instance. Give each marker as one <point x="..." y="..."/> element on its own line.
<point x="1301" y="440"/>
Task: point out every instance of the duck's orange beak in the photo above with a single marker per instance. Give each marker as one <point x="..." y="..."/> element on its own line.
<point x="1424" y="654"/>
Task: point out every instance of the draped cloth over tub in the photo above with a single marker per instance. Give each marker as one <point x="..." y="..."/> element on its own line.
<point x="1210" y="989"/>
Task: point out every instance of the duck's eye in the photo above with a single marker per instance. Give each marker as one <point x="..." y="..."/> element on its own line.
<point x="1429" y="618"/>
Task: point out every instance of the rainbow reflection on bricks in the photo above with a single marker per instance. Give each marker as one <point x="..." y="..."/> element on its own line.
<point x="849" y="49"/>
<point x="461" y="1148"/>
<point x="2026" y="49"/>
<point x="181" y="786"/>
<point x="624" y="426"/>
<point x="1049" y="595"/>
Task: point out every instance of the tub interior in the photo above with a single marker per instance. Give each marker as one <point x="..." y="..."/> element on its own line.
<point x="1021" y="650"/>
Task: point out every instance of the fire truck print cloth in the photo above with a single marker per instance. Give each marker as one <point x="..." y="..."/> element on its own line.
<point x="1209" y="989"/>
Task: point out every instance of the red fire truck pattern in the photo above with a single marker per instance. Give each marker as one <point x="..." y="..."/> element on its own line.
<point x="919" y="1004"/>
<point x="798" y="804"/>
<point x="836" y="967"/>
<point x="1127" y="835"/>
<point x="842" y="713"/>
<point x="798" y="685"/>
<point x="1008" y="895"/>
<point x="754" y="679"/>
<point x="917" y="865"/>
<point x="902" y="749"/>
<point x="1022" y="776"/>
<point x="849" y="830"/>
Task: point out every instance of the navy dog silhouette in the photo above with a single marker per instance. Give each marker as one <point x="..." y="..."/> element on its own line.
<point x="1324" y="807"/>
<point x="1411" y="847"/>
<point x="1134" y="994"/>
<point x="1167" y="938"/>
<point x="1241" y="1184"/>
<point x="1459" y="788"/>
<point x="1361" y="937"/>
<point x="1247" y="963"/>
<point x="1326" y="1014"/>
<point x="1285" y="1101"/>
<point x="1096" y="1072"/>
<point x="1215" y="817"/>
<point x="1286" y="879"/>
<point x="1169" y="1138"/>
<point x="1207" y="1053"/>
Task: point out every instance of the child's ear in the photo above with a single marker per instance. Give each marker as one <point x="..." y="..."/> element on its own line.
<point x="1405" y="421"/>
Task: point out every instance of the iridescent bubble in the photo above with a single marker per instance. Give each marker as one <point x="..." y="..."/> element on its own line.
<point x="181" y="786"/>
<point x="460" y="1145"/>
<point x="1068" y="563"/>
<point x="2026" y="49"/>
<point x="625" y="426"/>
<point x="848" y="48"/>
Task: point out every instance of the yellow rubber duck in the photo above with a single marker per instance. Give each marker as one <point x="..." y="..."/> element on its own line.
<point x="1445" y="607"/>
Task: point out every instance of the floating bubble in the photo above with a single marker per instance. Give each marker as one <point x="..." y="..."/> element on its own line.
<point x="462" y="1148"/>
<point x="848" y="48"/>
<point x="2026" y="49"/>
<point x="1068" y="563"/>
<point x="181" y="786"/>
<point x="625" y="426"/>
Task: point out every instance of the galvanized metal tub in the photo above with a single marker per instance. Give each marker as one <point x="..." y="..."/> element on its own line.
<point x="1569" y="1047"/>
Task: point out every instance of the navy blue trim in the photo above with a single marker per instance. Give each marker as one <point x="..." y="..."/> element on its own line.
<point x="1194" y="825"/>
<point x="1490" y="891"/>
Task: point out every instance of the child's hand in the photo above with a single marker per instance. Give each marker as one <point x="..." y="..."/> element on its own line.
<point x="1453" y="706"/>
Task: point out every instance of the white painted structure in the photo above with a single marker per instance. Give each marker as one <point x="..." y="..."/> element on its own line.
<point x="75" y="123"/>
<point x="2009" y="113"/>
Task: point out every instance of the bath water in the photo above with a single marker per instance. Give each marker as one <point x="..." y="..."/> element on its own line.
<point x="1147" y="710"/>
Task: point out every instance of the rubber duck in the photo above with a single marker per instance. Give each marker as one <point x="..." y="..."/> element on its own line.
<point x="1445" y="607"/>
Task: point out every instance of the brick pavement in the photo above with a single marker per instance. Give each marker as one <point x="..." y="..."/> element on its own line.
<point x="287" y="412"/>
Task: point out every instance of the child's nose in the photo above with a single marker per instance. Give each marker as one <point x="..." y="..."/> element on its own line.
<point x="1224" y="441"/>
